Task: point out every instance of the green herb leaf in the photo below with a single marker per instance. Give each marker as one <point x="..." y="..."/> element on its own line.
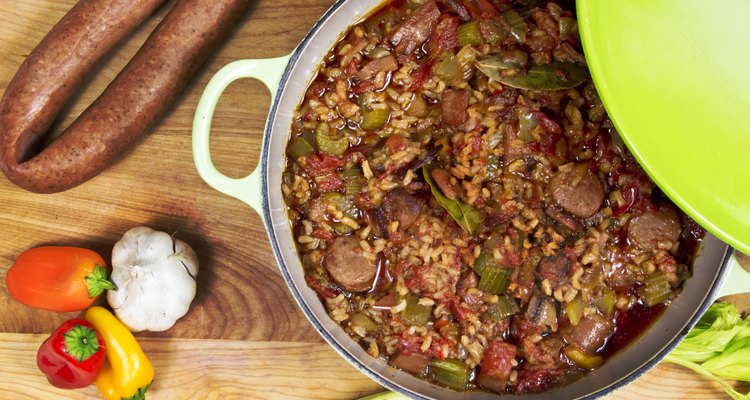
<point x="466" y="216"/>
<point x="555" y="76"/>
<point x="472" y="218"/>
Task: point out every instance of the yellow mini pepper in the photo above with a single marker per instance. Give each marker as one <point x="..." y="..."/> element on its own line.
<point x="127" y="373"/>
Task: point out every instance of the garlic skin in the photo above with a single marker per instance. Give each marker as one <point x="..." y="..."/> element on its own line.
<point x="155" y="276"/>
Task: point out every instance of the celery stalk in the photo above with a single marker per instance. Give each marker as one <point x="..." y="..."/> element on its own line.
<point x="451" y="372"/>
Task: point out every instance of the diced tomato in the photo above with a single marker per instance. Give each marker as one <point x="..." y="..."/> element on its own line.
<point x="444" y="35"/>
<point x="420" y="75"/>
<point x="387" y="172"/>
<point x="329" y="182"/>
<point x="395" y="143"/>
<point x="411" y="344"/>
<point x="547" y="145"/>
<point x="635" y="201"/>
<point x="498" y="360"/>
<point x="511" y="259"/>
<point x="414" y="277"/>
<point x="534" y="380"/>
<point x="322" y="168"/>
<point x="461" y="312"/>
<point x="480" y="8"/>
<point x="320" y="164"/>
<point x="363" y="200"/>
<point x="324" y="290"/>
<point x="364" y="86"/>
<point x="322" y="234"/>
<point x="630" y="194"/>
<point x="352" y="67"/>
<point x="476" y="144"/>
<point x="570" y="252"/>
<point x="547" y="123"/>
<point x="317" y="89"/>
<point x="553" y="134"/>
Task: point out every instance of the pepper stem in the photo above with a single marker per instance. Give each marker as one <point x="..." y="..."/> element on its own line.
<point x="97" y="282"/>
<point x="140" y="394"/>
<point x="81" y="342"/>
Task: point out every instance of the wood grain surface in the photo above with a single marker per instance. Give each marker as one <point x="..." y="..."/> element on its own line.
<point x="244" y="337"/>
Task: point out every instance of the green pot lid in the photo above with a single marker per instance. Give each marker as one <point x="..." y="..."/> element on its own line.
<point x="674" y="76"/>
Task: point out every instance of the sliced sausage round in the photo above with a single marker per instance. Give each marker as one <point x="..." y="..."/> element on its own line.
<point x="564" y="218"/>
<point x="348" y="266"/>
<point x="591" y="333"/>
<point x="399" y="205"/>
<point x="556" y="269"/>
<point x="578" y="191"/>
<point x="649" y="229"/>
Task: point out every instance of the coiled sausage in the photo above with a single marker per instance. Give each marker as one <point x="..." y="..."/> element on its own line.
<point x="139" y="94"/>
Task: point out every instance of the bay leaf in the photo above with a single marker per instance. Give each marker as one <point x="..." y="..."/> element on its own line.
<point x="555" y="76"/>
<point x="465" y="215"/>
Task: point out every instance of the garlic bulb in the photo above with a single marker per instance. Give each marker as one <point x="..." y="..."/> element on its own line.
<point x="155" y="276"/>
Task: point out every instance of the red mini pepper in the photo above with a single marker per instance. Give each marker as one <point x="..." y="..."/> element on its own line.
<point x="73" y="355"/>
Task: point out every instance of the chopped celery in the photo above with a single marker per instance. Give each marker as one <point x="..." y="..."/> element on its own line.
<point x="451" y="372"/>
<point x="343" y="204"/>
<point x="493" y="169"/>
<point x="327" y="144"/>
<point x="527" y="123"/>
<point x="518" y="27"/>
<point x="342" y="228"/>
<point x="492" y="31"/>
<point x="469" y="33"/>
<point x="374" y="119"/>
<point x="484" y="262"/>
<point x="606" y="302"/>
<point x="362" y="321"/>
<point x="568" y="27"/>
<point x="493" y="277"/>
<point x="505" y="307"/>
<point x="417" y="107"/>
<point x="414" y="4"/>
<point x="415" y="313"/>
<point x="494" y="280"/>
<point x="575" y="310"/>
<point x="299" y="147"/>
<point x="352" y="177"/>
<point x="656" y="290"/>
<point x="378" y="52"/>
<point x="582" y="359"/>
<point x="448" y="69"/>
<point x="465" y="59"/>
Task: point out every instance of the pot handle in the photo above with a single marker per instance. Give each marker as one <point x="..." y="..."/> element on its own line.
<point x="247" y="189"/>
<point x="737" y="280"/>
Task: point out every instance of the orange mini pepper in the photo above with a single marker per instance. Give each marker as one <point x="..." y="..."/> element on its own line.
<point x="58" y="278"/>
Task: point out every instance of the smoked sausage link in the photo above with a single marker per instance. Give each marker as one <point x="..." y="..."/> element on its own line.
<point x="116" y="120"/>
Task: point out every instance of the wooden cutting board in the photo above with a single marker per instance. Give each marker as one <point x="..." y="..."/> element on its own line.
<point x="244" y="336"/>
